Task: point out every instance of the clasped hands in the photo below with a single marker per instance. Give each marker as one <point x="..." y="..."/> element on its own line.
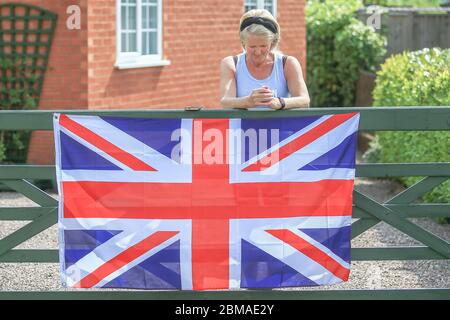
<point x="263" y="97"/>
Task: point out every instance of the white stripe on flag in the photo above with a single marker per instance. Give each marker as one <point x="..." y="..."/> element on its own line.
<point x="251" y="229"/>
<point x="127" y="143"/>
<point x="136" y="231"/>
<point x="286" y="170"/>
<point x="293" y="258"/>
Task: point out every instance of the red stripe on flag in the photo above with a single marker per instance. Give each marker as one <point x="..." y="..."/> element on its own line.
<point x="104" y="145"/>
<point x="212" y="203"/>
<point x="88" y="199"/>
<point x="300" y="142"/>
<point x="312" y="252"/>
<point x="210" y="254"/>
<point x="124" y="258"/>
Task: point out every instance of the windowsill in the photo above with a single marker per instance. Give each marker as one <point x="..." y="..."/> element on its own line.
<point x="141" y="64"/>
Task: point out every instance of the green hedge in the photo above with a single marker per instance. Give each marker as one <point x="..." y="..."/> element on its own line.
<point x="409" y="3"/>
<point x="420" y="78"/>
<point x="339" y="46"/>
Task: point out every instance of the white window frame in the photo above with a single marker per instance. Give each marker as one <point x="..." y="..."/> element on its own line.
<point x="260" y="5"/>
<point x="129" y="60"/>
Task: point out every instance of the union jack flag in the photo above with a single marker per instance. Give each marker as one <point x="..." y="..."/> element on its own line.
<point x="199" y="204"/>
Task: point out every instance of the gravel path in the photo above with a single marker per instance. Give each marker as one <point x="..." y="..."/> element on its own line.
<point x="364" y="275"/>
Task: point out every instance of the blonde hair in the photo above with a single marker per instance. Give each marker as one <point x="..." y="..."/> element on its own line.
<point x="259" y="30"/>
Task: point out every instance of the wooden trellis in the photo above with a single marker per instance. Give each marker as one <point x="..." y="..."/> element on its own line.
<point x="26" y="34"/>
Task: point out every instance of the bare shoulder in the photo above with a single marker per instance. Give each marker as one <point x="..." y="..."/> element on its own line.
<point x="292" y="62"/>
<point x="227" y="66"/>
<point x="228" y="62"/>
<point x="292" y="67"/>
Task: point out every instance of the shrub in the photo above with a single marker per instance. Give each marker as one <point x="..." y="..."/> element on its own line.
<point x="357" y="47"/>
<point x="420" y="78"/>
<point x="409" y="3"/>
<point x="339" y="45"/>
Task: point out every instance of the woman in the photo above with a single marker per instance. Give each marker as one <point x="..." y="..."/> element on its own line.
<point x="261" y="77"/>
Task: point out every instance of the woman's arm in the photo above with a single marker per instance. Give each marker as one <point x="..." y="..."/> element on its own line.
<point x="296" y="85"/>
<point x="228" y="86"/>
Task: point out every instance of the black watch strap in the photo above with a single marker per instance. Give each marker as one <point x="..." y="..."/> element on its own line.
<point x="282" y="102"/>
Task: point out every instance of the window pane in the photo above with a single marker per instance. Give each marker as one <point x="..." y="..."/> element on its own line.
<point x="153" y="43"/>
<point x="123" y="46"/>
<point x="250" y="5"/>
<point x="132" y="44"/>
<point x="145" y="47"/>
<point x="149" y="43"/>
<point x="248" y="8"/>
<point x="123" y="13"/>
<point x="145" y="20"/>
<point x="148" y="26"/>
<point x="149" y="17"/>
<point x="268" y="5"/>
<point x="132" y="18"/>
<point x="255" y="4"/>
<point x="153" y="17"/>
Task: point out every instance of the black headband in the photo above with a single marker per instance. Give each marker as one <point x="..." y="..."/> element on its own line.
<point x="261" y="21"/>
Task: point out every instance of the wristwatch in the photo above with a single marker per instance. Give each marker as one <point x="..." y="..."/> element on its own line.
<point x="282" y="102"/>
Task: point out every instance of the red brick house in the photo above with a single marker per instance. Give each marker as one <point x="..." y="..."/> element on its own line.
<point x="147" y="53"/>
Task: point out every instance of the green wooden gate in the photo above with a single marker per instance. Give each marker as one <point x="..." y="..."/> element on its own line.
<point x="369" y="212"/>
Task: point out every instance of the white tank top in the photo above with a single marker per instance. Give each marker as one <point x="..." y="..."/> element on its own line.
<point x="276" y="81"/>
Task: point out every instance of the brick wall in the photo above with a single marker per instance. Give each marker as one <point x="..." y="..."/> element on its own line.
<point x="196" y="36"/>
<point x="65" y="84"/>
<point x="291" y="17"/>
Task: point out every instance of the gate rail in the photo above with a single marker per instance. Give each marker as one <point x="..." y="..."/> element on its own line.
<point x="368" y="211"/>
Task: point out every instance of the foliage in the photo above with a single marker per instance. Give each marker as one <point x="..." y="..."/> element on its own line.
<point x="357" y="47"/>
<point x="339" y="46"/>
<point x="420" y="78"/>
<point x="409" y="3"/>
<point x="16" y="93"/>
<point x="415" y="79"/>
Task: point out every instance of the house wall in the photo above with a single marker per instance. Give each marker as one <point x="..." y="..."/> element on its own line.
<point x="65" y="83"/>
<point x="196" y="36"/>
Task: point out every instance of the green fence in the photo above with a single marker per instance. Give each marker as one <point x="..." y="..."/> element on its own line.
<point x="367" y="211"/>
